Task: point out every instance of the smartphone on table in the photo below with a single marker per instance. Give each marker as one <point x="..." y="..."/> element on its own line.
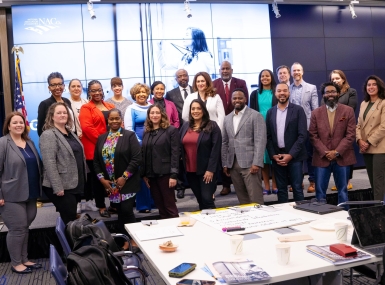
<point x="195" y="282"/>
<point x="181" y="270"/>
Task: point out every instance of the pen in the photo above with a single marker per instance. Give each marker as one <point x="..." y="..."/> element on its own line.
<point x="230" y="228"/>
<point x="234" y="230"/>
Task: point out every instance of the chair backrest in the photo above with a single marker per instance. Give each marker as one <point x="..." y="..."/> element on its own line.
<point x="60" y="232"/>
<point x="57" y="267"/>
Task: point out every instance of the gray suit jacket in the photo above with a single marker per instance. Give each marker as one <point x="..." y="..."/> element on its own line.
<point x="60" y="171"/>
<point x="13" y="171"/>
<point x="175" y="96"/>
<point x="248" y="143"/>
<point x="309" y="99"/>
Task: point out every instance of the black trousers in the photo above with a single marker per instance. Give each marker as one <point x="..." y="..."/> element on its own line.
<point x="97" y="187"/>
<point x="65" y="205"/>
<point x="202" y="191"/>
<point x="125" y="213"/>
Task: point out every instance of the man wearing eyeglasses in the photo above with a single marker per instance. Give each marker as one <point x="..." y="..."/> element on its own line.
<point x="332" y="133"/>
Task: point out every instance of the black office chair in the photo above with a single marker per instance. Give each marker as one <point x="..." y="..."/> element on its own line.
<point x="57" y="267"/>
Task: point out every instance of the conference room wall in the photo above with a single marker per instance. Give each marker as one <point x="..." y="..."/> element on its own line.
<point x="323" y="38"/>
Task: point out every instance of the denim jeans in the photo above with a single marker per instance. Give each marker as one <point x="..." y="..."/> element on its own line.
<point x="310" y="167"/>
<point x="294" y="171"/>
<point x="322" y="177"/>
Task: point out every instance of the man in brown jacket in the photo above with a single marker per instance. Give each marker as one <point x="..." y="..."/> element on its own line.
<point x="332" y="134"/>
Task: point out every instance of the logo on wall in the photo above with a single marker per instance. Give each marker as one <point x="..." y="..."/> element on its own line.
<point x="41" y="25"/>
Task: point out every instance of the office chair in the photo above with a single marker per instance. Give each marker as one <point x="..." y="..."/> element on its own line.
<point x="57" y="267"/>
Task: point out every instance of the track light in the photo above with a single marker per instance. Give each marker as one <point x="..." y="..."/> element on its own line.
<point x="91" y="10"/>
<point x="187" y="8"/>
<point x="351" y="8"/>
<point x="275" y="10"/>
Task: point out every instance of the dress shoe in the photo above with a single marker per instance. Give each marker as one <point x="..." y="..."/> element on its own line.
<point x="112" y="210"/>
<point x="180" y="194"/>
<point x="25" y="271"/>
<point x="34" y="266"/>
<point x="350" y="186"/>
<point x="104" y="213"/>
<point x="266" y="192"/>
<point x="311" y="188"/>
<point x="334" y="188"/>
<point x="225" y="191"/>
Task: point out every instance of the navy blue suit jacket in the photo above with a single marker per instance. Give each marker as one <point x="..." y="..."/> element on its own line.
<point x="295" y="132"/>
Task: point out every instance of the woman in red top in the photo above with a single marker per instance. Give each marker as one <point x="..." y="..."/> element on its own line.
<point x="93" y="118"/>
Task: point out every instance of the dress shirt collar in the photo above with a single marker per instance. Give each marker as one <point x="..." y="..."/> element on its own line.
<point x="240" y="112"/>
<point x="332" y="109"/>
<point x="228" y="83"/>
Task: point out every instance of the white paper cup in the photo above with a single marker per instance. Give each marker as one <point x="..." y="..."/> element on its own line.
<point x="283" y="253"/>
<point x="184" y="218"/>
<point x="341" y="231"/>
<point x="236" y="243"/>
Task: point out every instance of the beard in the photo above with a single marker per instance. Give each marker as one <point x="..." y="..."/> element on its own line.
<point x="331" y="103"/>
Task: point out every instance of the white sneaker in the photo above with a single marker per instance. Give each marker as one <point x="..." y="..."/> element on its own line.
<point x="79" y="208"/>
<point x="90" y="205"/>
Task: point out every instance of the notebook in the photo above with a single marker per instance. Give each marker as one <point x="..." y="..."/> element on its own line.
<point x="369" y="229"/>
<point x="317" y="208"/>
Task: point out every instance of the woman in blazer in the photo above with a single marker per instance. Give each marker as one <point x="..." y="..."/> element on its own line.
<point x="160" y="160"/>
<point x="347" y="97"/>
<point x="201" y="141"/>
<point x="93" y="121"/>
<point x="204" y="91"/>
<point x="56" y="88"/>
<point x="64" y="162"/>
<point x="157" y="90"/>
<point x="116" y="163"/>
<point x="20" y="186"/>
<point x="76" y="90"/>
<point x="370" y="133"/>
<point x="262" y="100"/>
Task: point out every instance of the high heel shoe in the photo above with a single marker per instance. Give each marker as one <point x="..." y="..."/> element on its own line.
<point x="34" y="266"/>
<point x="25" y="271"/>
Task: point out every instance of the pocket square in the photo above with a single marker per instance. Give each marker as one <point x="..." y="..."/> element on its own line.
<point x="342" y="119"/>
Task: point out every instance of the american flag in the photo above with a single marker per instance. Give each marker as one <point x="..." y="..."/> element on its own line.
<point x="19" y="96"/>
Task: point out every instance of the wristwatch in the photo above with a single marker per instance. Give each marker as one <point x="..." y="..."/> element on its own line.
<point x="337" y="154"/>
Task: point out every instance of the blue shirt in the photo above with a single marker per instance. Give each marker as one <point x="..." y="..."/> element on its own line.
<point x="32" y="170"/>
<point x="296" y="95"/>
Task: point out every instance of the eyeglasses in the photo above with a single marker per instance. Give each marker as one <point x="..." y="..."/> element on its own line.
<point x="55" y="85"/>
<point x="331" y="93"/>
<point x="96" y="90"/>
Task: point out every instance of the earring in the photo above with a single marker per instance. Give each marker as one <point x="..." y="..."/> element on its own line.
<point x="65" y="90"/>
<point x="50" y="92"/>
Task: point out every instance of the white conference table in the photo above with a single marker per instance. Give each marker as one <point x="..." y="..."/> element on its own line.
<point x="201" y="244"/>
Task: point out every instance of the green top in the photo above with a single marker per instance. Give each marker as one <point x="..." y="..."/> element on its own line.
<point x="265" y="102"/>
<point x="367" y="109"/>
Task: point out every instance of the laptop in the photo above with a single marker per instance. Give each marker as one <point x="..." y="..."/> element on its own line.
<point x="369" y="229"/>
<point x="317" y="208"/>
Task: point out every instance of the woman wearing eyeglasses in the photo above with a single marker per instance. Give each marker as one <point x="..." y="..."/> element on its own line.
<point x="56" y="88"/>
<point x="93" y="119"/>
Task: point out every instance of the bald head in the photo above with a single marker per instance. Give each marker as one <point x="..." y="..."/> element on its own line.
<point x="226" y="71"/>
<point x="181" y="76"/>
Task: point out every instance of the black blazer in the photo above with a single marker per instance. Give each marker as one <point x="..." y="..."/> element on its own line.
<point x="165" y="152"/>
<point x="175" y="96"/>
<point x="295" y="132"/>
<point x="127" y="157"/>
<point x="209" y="148"/>
<point x="254" y="100"/>
<point x="43" y="109"/>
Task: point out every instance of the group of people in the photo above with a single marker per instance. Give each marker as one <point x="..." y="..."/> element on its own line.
<point x="139" y="151"/>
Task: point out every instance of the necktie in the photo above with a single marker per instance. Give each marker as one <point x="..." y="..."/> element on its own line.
<point x="185" y="93"/>
<point x="227" y="91"/>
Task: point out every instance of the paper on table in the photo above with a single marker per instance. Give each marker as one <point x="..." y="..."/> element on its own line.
<point x="157" y="233"/>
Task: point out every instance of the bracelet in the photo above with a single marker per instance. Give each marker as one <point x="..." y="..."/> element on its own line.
<point x="100" y="175"/>
<point x="126" y="175"/>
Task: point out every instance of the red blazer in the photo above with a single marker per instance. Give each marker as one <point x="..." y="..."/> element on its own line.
<point x="171" y="112"/>
<point x="235" y="83"/>
<point x="341" y="139"/>
<point x="93" y="125"/>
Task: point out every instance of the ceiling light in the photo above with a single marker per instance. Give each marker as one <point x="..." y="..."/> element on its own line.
<point x="275" y="9"/>
<point x="351" y="8"/>
<point x="90" y="7"/>
<point x="187" y="8"/>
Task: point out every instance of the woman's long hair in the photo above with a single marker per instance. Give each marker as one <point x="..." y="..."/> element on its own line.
<point x="206" y="125"/>
<point x="7" y="122"/>
<point x="345" y="86"/>
<point x="273" y="83"/>
<point x="199" y="43"/>
<point x="210" y="90"/>
<point x="49" y="124"/>
<point x="380" y="86"/>
<point x="164" y="122"/>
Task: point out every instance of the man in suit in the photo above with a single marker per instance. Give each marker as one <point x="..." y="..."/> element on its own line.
<point x="286" y="127"/>
<point x="177" y="96"/>
<point x="243" y="148"/>
<point x="283" y="73"/>
<point x="224" y="87"/>
<point x="332" y="133"/>
<point x="305" y="95"/>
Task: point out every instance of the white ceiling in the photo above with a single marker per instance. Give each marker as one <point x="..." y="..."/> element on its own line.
<point x="8" y="3"/>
